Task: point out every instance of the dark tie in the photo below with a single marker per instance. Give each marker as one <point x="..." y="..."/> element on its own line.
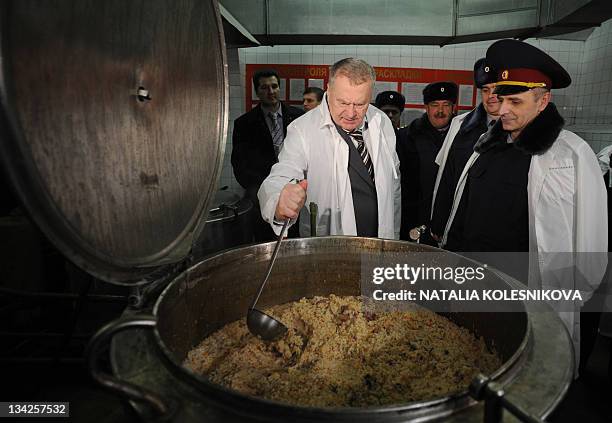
<point x="277" y="133"/>
<point x="357" y="135"/>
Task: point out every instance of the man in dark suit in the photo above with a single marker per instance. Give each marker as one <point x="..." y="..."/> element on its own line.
<point x="417" y="146"/>
<point x="257" y="139"/>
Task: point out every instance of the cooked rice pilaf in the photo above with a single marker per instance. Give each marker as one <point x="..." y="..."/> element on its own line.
<point x="337" y="353"/>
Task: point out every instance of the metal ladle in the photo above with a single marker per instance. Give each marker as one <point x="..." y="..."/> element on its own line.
<point x="259" y="323"/>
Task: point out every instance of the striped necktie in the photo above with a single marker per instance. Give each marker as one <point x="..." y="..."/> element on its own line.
<point x="357" y="135"/>
<point x="277" y="133"/>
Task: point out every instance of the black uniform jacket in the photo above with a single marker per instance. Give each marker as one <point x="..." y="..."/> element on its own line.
<point x="495" y="196"/>
<point x="472" y="127"/>
<point x="417" y="148"/>
<point x="252" y="148"/>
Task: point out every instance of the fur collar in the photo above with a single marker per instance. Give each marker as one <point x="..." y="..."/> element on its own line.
<point x="537" y="137"/>
<point x="422" y="125"/>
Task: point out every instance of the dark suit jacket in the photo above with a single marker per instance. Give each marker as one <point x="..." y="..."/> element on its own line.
<point x="365" y="203"/>
<point x="252" y="148"/>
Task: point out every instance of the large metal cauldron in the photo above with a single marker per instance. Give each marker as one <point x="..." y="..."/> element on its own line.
<point x="113" y="118"/>
<point x="535" y="348"/>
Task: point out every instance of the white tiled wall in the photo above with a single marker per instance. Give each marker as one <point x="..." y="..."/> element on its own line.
<point x="595" y="96"/>
<point x="594" y="100"/>
<point x="587" y="100"/>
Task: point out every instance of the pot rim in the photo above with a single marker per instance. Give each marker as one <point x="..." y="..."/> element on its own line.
<point x="228" y="397"/>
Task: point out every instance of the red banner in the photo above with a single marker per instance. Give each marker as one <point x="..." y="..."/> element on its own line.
<point x="408" y="81"/>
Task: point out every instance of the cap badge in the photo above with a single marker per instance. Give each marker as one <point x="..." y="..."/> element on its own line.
<point x="390" y="95"/>
<point x="487" y="69"/>
<point x="504" y="74"/>
<point x="442" y="89"/>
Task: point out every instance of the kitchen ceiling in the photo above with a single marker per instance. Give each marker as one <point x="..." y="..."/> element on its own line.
<point x="425" y="22"/>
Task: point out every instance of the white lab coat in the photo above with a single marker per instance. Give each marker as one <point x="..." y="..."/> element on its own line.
<point x="443" y="153"/>
<point x="568" y="227"/>
<point x="314" y="150"/>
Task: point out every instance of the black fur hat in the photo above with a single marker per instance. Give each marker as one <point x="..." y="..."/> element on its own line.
<point x="440" y="91"/>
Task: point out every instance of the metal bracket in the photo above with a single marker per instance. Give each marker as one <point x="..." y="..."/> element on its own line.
<point x="482" y="388"/>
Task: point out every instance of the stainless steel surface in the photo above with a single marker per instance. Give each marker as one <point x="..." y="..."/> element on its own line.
<point x="273" y="22"/>
<point x="113" y="125"/>
<point x="132" y="391"/>
<point x="343" y="17"/>
<point x="535" y="347"/>
<point x="228" y="225"/>
<point x="559" y="9"/>
<point x="265" y="326"/>
<point x="512" y="20"/>
<point x="481" y="7"/>
<point x="260" y="323"/>
<point x="236" y="36"/>
<point x="223" y="200"/>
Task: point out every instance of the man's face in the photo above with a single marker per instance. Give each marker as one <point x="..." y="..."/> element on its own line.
<point x="268" y="91"/>
<point x="394" y="114"/>
<point x="310" y="101"/>
<point x="518" y="110"/>
<point x="439" y="113"/>
<point x="348" y="103"/>
<point x="489" y="100"/>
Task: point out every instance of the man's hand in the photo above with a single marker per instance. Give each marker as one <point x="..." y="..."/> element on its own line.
<point x="291" y="201"/>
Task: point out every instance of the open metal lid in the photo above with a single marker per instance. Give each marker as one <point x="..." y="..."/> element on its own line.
<point x="112" y="125"/>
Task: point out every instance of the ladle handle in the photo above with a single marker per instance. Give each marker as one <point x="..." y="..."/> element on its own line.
<point x="314" y="210"/>
<point x="272" y="260"/>
<point x="101" y="339"/>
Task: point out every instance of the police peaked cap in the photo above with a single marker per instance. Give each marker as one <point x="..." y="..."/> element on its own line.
<point x="484" y="73"/>
<point x="392" y="98"/>
<point x="440" y="91"/>
<point x="521" y="67"/>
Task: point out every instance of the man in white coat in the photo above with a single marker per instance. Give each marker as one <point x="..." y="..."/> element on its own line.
<point x="532" y="186"/>
<point x="458" y="146"/>
<point x="344" y="154"/>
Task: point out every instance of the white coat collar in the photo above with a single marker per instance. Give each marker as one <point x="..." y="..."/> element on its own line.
<point x="326" y="119"/>
<point x="373" y="118"/>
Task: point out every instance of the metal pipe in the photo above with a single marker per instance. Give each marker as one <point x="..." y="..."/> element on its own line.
<point x="267" y="18"/>
<point x="497" y="12"/>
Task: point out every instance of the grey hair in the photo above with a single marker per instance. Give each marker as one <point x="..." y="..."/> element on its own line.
<point x="539" y="92"/>
<point x="356" y="70"/>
